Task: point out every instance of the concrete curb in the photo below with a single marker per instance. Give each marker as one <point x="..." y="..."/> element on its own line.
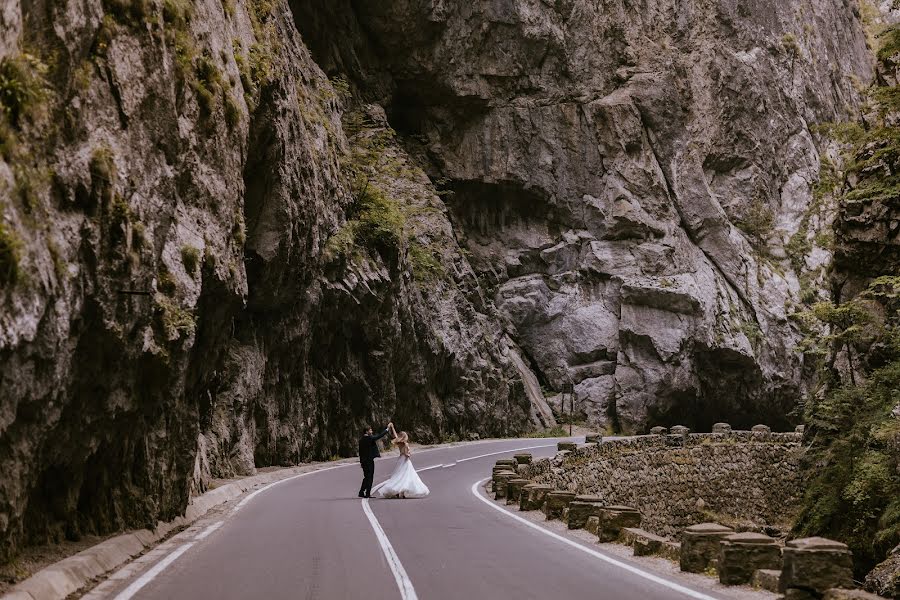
<point x="69" y="575"/>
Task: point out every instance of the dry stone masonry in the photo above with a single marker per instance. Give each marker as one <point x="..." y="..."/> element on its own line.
<point x="680" y="479"/>
<point x="806" y="569"/>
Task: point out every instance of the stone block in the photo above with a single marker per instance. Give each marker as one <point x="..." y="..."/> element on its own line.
<point x="700" y="546"/>
<point x="658" y="431"/>
<point x="816" y="564"/>
<point x="613" y="519"/>
<point x="556" y="501"/>
<point x="761" y="432"/>
<point x="840" y="594"/>
<point x="495" y="479"/>
<point x="510" y="463"/>
<point x="523" y="459"/>
<point x="767" y="579"/>
<point x="680" y="430"/>
<point x="721" y="428"/>
<point x="801" y="429"/>
<point x="742" y="554"/>
<point x="593" y="438"/>
<point x="533" y="495"/>
<point x="570" y="446"/>
<point x="591" y="525"/>
<point x="643" y="543"/>
<point x="500" y="484"/>
<point x="513" y="487"/>
<point x="581" y="508"/>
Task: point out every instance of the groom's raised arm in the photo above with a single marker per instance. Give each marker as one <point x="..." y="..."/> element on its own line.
<point x="380" y="435"/>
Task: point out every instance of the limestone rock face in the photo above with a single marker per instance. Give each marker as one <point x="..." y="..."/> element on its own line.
<point x="626" y="177"/>
<point x="233" y="233"/>
<point x="172" y="305"/>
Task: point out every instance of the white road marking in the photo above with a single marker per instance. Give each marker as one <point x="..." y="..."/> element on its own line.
<point x="209" y="530"/>
<point x="165" y="562"/>
<point x="250" y="497"/>
<point x="147" y="577"/>
<point x="407" y="592"/>
<point x="631" y="569"/>
<point x="430" y="468"/>
<point x="504" y="452"/>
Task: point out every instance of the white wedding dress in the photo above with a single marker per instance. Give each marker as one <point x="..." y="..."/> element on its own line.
<point x="404" y="482"/>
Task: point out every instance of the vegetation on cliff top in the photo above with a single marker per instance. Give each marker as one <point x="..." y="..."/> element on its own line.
<point x="853" y="491"/>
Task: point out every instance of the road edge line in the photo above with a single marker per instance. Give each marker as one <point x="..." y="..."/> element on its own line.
<point x="407" y="591"/>
<point x="617" y="563"/>
<point x="147" y="577"/>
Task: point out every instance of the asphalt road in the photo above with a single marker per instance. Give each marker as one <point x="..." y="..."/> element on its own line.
<point x="311" y="538"/>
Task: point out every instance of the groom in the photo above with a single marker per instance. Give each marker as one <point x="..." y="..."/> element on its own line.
<point x="368" y="452"/>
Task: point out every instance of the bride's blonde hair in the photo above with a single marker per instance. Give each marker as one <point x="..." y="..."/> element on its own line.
<point x="403" y="437"/>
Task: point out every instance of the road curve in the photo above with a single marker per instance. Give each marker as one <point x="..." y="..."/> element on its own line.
<point x="311" y="537"/>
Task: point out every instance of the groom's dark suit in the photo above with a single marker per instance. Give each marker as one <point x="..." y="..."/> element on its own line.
<point x="368" y="452"/>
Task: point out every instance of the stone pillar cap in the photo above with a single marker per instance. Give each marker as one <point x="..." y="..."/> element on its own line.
<point x="519" y="480"/>
<point x="588" y="498"/>
<point x="764" y="428"/>
<point x="522" y="454"/>
<point x="708" y="528"/>
<point x="535" y="486"/>
<point x="621" y="508"/>
<point x="749" y="537"/>
<point x="816" y="543"/>
<point x="564" y="493"/>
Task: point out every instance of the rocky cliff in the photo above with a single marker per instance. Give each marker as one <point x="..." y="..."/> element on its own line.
<point x="627" y="178"/>
<point x="236" y="230"/>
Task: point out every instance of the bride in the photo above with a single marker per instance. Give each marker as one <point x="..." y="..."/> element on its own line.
<point x="404" y="482"/>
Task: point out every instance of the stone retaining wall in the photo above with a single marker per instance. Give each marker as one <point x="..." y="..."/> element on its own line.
<point x="747" y="480"/>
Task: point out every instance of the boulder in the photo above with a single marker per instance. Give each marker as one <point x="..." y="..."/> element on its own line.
<point x="658" y="431"/>
<point x="593" y="438"/>
<point x="700" y="546"/>
<point x="742" y="554"/>
<point x="884" y="579"/>
<point x="570" y="446"/>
